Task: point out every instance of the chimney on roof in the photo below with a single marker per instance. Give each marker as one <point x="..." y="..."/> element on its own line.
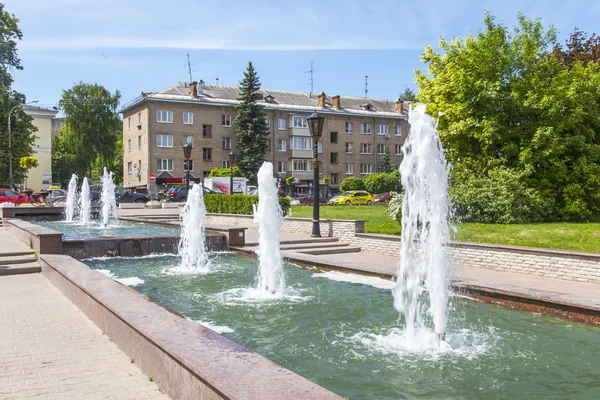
<point x="201" y="85"/>
<point x="336" y="102"/>
<point x="194" y="89"/>
<point x="321" y="99"/>
<point x="400" y="106"/>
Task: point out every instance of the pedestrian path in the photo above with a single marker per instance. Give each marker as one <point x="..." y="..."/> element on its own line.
<point x="51" y="350"/>
<point x="15" y="256"/>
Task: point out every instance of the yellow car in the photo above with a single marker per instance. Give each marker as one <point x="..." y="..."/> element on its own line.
<point x="354" y="197"/>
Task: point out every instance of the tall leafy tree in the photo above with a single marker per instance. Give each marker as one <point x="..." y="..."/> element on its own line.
<point x="21" y="124"/>
<point x="251" y="125"/>
<point x="92" y="126"/>
<point x="579" y="48"/>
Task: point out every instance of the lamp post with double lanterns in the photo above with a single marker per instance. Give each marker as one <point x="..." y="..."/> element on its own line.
<point x="231" y="162"/>
<point x="187" y="153"/>
<point x="315" y="125"/>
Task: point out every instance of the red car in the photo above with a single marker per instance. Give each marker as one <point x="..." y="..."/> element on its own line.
<point x="12" y="196"/>
<point x="382" y="198"/>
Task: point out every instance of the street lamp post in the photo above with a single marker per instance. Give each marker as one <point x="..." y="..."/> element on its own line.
<point x="187" y="153"/>
<point x="315" y="125"/>
<point x="231" y="162"/>
<point x="10" y="168"/>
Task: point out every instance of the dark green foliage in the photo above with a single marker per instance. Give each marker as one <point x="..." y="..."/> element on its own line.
<point x="382" y="182"/>
<point x="238" y="204"/>
<point x="63" y="161"/>
<point x="224" y="172"/>
<point x="387" y="165"/>
<point x="9" y="34"/>
<point x="251" y="125"/>
<point x="352" y="183"/>
<point x="408" y="94"/>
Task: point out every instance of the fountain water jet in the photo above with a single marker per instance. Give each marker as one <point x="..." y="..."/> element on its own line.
<point x="269" y="217"/>
<point x="71" y="206"/>
<point x="423" y="264"/>
<point x="109" y="202"/>
<point x="192" y="246"/>
<point x="84" y="202"/>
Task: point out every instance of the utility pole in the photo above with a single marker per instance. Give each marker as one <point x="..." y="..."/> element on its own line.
<point x="190" y="68"/>
<point x="217" y="81"/>
<point x="311" y="71"/>
<point x="366" y="85"/>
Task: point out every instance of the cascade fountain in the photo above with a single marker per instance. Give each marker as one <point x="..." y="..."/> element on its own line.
<point x="192" y="247"/>
<point x="109" y="203"/>
<point x="84" y="202"/>
<point x="423" y="263"/>
<point x="71" y="206"/>
<point x="269" y="217"/>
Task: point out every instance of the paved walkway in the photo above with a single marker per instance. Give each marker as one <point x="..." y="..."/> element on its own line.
<point x="51" y="350"/>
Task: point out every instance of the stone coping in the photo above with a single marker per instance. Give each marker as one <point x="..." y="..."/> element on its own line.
<point x="12" y="212"/>
<point x="186" y="359"/>
<point x="323" y="220"/>
<point x="43" y="240"/>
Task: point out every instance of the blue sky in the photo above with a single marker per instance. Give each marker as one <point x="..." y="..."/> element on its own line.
<point x="141" y="45"/>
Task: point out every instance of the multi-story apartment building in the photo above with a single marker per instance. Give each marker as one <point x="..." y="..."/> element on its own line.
<point x="157" y="125"/>
<point x="40" y="177"/>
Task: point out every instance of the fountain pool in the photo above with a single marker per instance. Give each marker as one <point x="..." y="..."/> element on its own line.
<point x="95" y="229"/>
<point x="336" y="334"/>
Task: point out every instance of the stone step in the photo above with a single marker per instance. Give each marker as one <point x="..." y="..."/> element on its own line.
<point x="16" y="253"/>
<point x="25" y="268"/>
<point x="312" y="245"/>
<point x="17" y="259"/>
<point x="331" y="250"/>
<point x="299" y="241"/>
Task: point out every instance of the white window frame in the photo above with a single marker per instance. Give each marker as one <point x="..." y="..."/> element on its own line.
<point x="365" y="170"/>
<point x="349" y="169"/>
<point x="160" y="138"/>
<point x="281" y="164"/>
<point x="226" y="120"/>
<point x="368" y="145"/>
<point x="349" y="124"/>
<point x="305" y="164"/>
<point x="398" y="130"/>
<point x="349" y="147"/>
<point x="383" y="129"/>
<point x="398" y="149"/>
<point x="268" y="122"/>
<point x="281" y="124"/>
<point x="365" y="129"/>
<point x="301" y="142"/>
<point x="164" y="161"/>
<point x="282" y="145"/>
<point x="225" y="164"/>
<point x="185" y="162"/>
<point x="223" y="145"/>
<point x="130" y="167"/>
<point x="164" y="117"/>
<point x="319" y="147"/>
<point x="186" y="140"/>
<point x="190" y="118"/>
<point x="299" y="122"/>
<point x="382" y="148"/>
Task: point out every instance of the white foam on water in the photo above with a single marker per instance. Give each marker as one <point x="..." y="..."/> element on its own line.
<point x="106" y="272"/>
<point x="217" y="328"/>
<point x="257" y="296"/>
<point x="132" y="281"/>
<point x="374" y="281"/>
<point x="105" y="258"/>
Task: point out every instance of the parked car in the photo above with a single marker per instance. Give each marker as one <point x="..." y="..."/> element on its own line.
<point x="307" y="199"/>
<point x="354" y="197"/>
<point x="122" y="195"/>
<point x="382" y="198"/>
<point x="12" y="196"/>
<point x="57" y="195"/>
<point x="179" y="193"/>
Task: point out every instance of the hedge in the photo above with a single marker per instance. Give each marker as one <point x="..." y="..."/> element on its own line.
<point x="238" y="204"/>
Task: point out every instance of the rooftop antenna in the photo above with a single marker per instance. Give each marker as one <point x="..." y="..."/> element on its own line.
<point x="190" y="68"/>
<point x="311" y="71"/>
<point x="217" y="81"/>
<point x="366" y="85"/>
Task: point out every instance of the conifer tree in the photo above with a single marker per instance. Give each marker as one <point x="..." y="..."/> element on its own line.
<point x="251" y="125"/>
<point x="387" y="165"/>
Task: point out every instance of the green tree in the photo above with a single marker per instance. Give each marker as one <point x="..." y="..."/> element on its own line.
<point x="224" y="172"/>
<point x="251" y="125"/>
<point x="26" y="163"/>
<point x="382" y="182"/>
<point x="63" y="161"/>
<point x="387" y="165"/>
<point x="352" y="183"/>
<point x="408" y="94"/>
<point x="578" y="48"/>
<point x="92" y="126"/>
<point x="114" y="164"/>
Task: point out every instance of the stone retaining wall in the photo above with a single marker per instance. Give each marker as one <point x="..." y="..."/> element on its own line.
<point x="41" y="239"/>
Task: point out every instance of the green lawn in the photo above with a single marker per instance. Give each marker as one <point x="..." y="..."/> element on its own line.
<point x="564" y="236"/>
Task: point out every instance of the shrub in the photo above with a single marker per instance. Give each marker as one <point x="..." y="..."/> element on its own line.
<point x="394" y="207"/>
<point x="352" y="183"/>
<point x="502" y="197"/>
<point x="224" y="172"/>
<point x="238" y="204"/>
<point x="382" y="182"/>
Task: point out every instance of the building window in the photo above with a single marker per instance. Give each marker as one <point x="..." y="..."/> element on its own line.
<point x="301" y="143"/>
<point x="365" y="169"/>
<point x="129" y="167"/>
<point x="268" y="142"/>
<point x="398" y="130"/>
<point x="188" y="118"/>
<point x="319" y="147"/>
<point x="165" y="117"/>
<point x="206" y="130"/>
<point x="164" y="164"/>
<point x="281" y="145"/>
<point x="349" y="169"/>
<point x="140" y="119"/>
<point x="268" y="122"/>
<point x="365" y="129"/>
<point x="348" y="148"/>
<point x="164" y="140"/>
<point x="226" y="143"/>
<point x="333" y="137"/>
<point x="207" y="154"/>
<point x="225" y="164"/>
<point x="398" y="149"/>
<point x="186" y="163"/>
<point x="140" y="142"/>
<point x="205" y="174"/>
<point x="225" y="120"/>
<point x="348" y="127"/>
<point x="334" y="158"/>
<point x="299" y="122"/>
<point x="129" y="123"/>
<point x="381" y="149"/>
<point x="382" y="130"/>
<point x="282" y="166"/>
<point x="188" y="140"/>
<point x="365" y="148"/>
<point x="281" y="122"/>
<point x="335" y="179"/>
<point x="129" y="145"/>
<point x="301" y="165"/>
